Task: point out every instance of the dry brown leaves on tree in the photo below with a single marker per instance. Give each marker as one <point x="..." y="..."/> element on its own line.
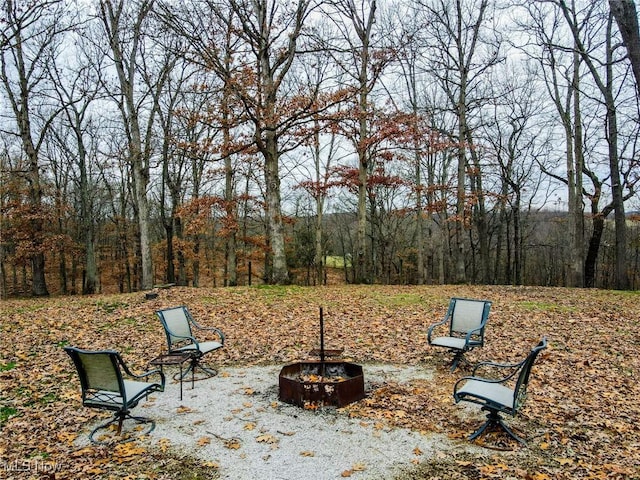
<point x="582" y="417"/>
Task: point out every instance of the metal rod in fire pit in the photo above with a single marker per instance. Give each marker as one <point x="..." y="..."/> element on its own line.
<point x="322" y="342"/>
<point x="321" y="335"/>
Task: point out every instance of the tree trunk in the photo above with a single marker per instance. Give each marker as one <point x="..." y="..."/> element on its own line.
<point x="592" y="252"/>
<point x="459" y="248"/>
<point x="279" y="272"/>
<point x="620" y="218"/>
<point x="576" y="208"/>
<point x="126" y="68"/>
<point x="606" y="89"/>
<point x="626" y="17"/>
<point x="480" y="214"/>
<point x="89" y="284"/>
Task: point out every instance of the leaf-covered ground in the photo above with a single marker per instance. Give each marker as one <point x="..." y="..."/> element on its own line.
<point x="582" y="418"/>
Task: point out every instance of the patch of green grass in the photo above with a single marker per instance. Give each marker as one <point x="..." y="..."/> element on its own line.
<point x="534" y="306"/>
<point x="278" y="290"/>
<point x="401" y="300"/>
<point x="6" y="413"/>
<point x="335" y="261"/>
<point x="110" y="307"/>
<point x="48" y="398"/>
<point x="4" y="367"/>
<point x="625" y="293"/>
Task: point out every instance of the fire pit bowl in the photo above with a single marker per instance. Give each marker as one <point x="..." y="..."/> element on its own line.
<point x="315" y="384"/>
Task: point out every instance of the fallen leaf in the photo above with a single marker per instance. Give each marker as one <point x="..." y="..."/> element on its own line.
<point x="266" y="438"/>
<point x="202" y="441"/>
<point x="232" y="444"/>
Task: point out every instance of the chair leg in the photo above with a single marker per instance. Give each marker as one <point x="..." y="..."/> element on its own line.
<point x="191" y="369"/>
<point x="494" y="420"/>
<point x="457" y="359"/>
<point x="120" y="417"/>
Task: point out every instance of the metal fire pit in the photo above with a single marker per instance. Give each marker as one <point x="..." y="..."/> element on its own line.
<point x="321" y="383"/>
<point x="297" y="385"/>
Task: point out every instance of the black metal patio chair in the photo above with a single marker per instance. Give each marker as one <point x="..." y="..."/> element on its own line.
<point x="505" y="394"/>
<point x="179" y="327"/>
<point x="466" y="320"/>
<point x="105" y="387"/>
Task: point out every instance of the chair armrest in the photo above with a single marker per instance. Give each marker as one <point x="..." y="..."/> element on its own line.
<point x="149" y="373"/>
<point x="215" y="330"/>
<point x="153" y="372"/>
<point x="470" y="333"/>
<point x="434" y="326"/>
<point x="142" y="375"/>
<point x="186" y="337"/>
<point x="498" y="366"/>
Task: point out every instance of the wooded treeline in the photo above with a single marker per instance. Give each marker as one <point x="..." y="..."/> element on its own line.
<point x="421" y="141"/>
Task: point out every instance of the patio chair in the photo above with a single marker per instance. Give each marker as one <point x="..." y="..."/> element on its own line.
<point x="506" y="394"/>
<point x="466" y="320"/>
<point x="179" y="326"/>
<point x="104" y="386"/>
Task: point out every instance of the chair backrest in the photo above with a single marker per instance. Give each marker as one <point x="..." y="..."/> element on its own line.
<point x="468" y="315"/>
<point x="177" y="324"/>
<point x="100" y="376"/>
<point x="520" y="391"/>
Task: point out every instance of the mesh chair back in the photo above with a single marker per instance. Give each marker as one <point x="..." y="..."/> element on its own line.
<point x="523" y="377"/>
<point x="100" y="377"/>
<point x="176" y="324"/>
<point x="101" y="370"/>
<point x="468" y="314"/>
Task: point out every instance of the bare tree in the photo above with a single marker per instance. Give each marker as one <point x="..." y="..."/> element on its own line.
<point x="31" y="36"/>
<point x="626" y="15"/>
<point x="606" y="88"/>
<point x="516" y="134"/>
<point x="77" y="89"/>
<point x="460" y="60"/>
<point x="274" y="102"/>
<point x="140" y="80"/>
<point x="362" y="57"/>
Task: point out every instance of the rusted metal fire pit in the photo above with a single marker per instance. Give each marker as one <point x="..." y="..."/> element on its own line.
<point x="315" y="384"/>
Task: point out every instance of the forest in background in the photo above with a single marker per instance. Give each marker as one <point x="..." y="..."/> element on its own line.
<point x="220" y="142"/>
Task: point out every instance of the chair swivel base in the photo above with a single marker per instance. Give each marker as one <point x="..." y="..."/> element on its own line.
<point x="458" y="359"/>
<point x="119" y="418"/>
<point x="495" y="421"/>
<point x="191" y="370"/>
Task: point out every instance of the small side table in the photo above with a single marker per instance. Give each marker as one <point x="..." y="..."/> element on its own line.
<point x="172" y="359"/>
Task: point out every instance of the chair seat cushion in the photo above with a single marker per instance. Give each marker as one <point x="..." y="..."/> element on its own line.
<point x="135" y="389"/>
<point x="450" y="342"/>
<point x="112" y="400"/>
<point x="205" y="347"/>
<point x="494" y="393"/>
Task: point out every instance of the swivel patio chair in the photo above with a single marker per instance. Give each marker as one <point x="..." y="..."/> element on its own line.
<point x="503" y="395"/>
<point x="105" y="387"/>
<point x="179" y="326"/>
<point x="466" y="320"/>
